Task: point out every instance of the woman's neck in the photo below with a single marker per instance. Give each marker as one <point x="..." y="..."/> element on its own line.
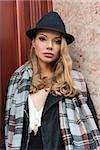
<point x="46" y="70"/>
<point x="46" y="73"/>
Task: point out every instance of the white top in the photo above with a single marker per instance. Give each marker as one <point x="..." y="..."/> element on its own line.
<point x="34" y="116"/>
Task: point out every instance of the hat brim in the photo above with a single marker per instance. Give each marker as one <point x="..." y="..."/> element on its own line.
<point x="32" y="33"/>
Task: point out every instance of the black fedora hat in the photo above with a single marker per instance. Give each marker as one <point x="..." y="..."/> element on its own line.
<point x="51" y="21"/>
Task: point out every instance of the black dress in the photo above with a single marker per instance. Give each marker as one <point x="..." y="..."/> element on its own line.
<point x="35" y="142"/>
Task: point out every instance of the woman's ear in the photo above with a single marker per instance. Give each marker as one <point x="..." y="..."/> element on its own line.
<point x="33" y="43"/>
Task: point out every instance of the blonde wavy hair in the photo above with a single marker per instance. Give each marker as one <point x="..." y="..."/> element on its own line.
<point x="61" y="83"/>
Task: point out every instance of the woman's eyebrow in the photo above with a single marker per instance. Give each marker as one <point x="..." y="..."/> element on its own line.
<point x="54" y="37"/>
<point x="58" y="37"/>
<point x="43" y="35"/>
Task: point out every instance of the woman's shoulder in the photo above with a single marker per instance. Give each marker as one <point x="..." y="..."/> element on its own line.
<point x="79" y="80"/>
<point x="77" y="75"/>
<point x="21" y="73"/>
<point x="24" y="67"/>
<point x="20" y="70"/>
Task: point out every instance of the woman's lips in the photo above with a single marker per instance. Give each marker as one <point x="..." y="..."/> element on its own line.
<point x="48" y="55"/>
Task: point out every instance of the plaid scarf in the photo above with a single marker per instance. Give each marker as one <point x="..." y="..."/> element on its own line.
<point x="77" y="125"/>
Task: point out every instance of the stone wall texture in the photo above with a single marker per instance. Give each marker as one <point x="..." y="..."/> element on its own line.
<point x="82" y="19"/>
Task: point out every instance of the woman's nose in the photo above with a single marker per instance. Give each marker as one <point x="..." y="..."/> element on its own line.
<point x="50" y="45"/>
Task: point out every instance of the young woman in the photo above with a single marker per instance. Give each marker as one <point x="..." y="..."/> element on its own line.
<point x="48" y="107"/>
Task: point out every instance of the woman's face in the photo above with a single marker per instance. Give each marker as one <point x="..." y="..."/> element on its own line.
<point x="47" y="46"/>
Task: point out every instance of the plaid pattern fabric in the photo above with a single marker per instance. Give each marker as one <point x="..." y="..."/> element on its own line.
<point x="77" y="125"/>
<point x="16" y="98"/>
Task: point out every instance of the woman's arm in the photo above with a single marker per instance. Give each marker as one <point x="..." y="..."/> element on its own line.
<point x="92" y="108"/>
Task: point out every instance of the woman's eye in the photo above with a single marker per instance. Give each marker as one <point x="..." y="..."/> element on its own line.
<point x="42" y="39"/>
<point x="58" y="41"/>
